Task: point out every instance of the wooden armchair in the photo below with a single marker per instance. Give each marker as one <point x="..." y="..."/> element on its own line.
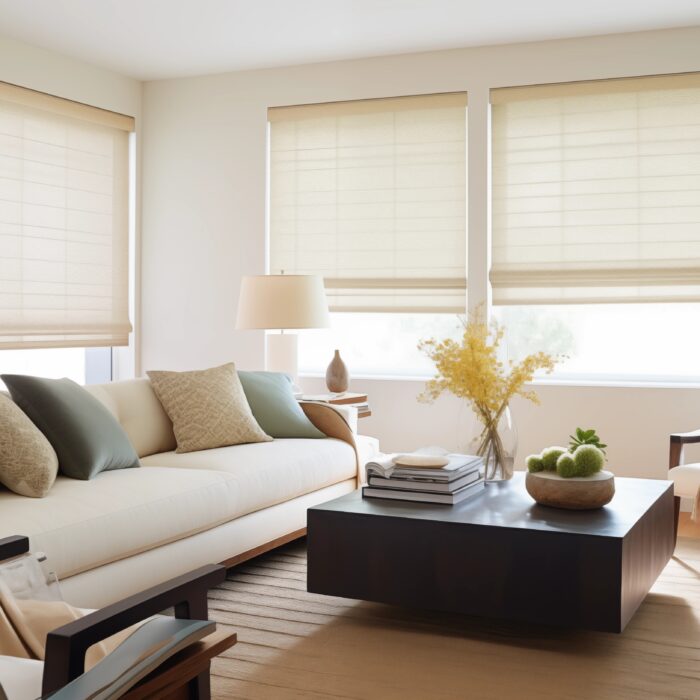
<point x="685" y="477"/>
<point x="183" y="675"/>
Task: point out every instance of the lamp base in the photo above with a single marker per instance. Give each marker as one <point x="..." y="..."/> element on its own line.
<point x="282" y="354"/>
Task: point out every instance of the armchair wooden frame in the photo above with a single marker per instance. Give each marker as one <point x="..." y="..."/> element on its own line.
<point x="675" y="459"/>
<point x="66" y="646"/>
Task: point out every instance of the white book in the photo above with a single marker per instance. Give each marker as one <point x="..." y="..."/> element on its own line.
<point x="458" y="464"/>
<point x="449" y="499"/>
<point x="424" y="484"/>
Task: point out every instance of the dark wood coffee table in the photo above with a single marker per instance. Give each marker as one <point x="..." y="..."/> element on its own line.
<point x="499" y="555"/>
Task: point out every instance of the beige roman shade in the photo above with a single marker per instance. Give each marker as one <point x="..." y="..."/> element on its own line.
<point x="596" y="191"/>
<point x="64" y="229"/>
<point x="371" y="195"/>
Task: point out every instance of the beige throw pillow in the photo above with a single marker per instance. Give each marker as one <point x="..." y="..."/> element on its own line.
<point x="28" y="463"/>
<point x="207" y="407"/>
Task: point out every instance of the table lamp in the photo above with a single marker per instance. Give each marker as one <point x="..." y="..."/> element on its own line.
<point x="282" y="302"/>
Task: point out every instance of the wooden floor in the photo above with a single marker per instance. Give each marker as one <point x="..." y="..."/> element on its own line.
<point x="688" y="528"/>
<point x="295" y="645"/>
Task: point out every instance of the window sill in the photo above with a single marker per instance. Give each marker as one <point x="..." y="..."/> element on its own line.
<point x="544" y="381"/>
<point x="619" y="383"/>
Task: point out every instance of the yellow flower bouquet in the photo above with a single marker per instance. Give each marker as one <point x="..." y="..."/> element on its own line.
<point x="470" y="369"/>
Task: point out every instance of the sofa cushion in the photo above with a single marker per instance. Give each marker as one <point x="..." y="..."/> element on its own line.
<point x="84" y="524"/>
<point x="272" y="401"/>
<point x="135" y="405"/>
<point x="81" y="525"/>
<point x="208" y="408"/>
<point x="28" y="463"/>
<point x="271" y="472"/>
<point x="85" y="435"/>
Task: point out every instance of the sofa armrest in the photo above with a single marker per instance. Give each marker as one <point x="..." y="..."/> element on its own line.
<point x="331" y="423"/>
<point x="67" y="645"/>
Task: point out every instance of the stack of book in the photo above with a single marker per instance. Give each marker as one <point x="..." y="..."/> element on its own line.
<point x="345" y="398"/>
<point x="461" y="478"/>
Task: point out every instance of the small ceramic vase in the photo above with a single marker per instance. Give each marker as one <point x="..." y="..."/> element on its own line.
<point x="337" y="377"/>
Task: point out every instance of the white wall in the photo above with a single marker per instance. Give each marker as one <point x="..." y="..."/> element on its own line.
<point x="635" y="422"/>
<point x="39" y="69"/>
<point x="55" y="74"/>
<point x="204" y="222"/>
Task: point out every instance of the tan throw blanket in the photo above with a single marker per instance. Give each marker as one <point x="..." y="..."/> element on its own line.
<point x="24" y="625"/>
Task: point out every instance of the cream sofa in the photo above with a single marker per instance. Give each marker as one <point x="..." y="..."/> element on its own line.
<point x="129" y="529"/>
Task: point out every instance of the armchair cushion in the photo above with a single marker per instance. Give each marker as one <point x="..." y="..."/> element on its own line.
<point x="32" y="620"/>
<point x="686" y="484"/>
<point x="21" y="678"/>
<point x="686" y="480"/>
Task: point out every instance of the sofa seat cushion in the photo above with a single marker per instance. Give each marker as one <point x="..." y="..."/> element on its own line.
<point x="271" y="472"/>
<point x="81" y="525"/>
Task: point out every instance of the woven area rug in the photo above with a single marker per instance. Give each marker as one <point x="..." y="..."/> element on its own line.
<point x="293" y="644"/>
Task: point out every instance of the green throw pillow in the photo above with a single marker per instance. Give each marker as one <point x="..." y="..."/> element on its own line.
<point x="84" y="434"/>
<point x="272" y="401"/>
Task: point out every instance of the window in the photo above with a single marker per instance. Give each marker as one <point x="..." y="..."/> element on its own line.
<point x="371" y="195"/>
<point x="596" y="204"/>
<point x="64" y="223"/>
<point x="382" y="345"/>
<point x="84" y="366"/>
<point x="595" y="224"/>
<point x="609" y="342"/>
<point x="596" y="192"/>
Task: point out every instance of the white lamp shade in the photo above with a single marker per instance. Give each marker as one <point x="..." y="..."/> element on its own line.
<point x="282" y="301"/>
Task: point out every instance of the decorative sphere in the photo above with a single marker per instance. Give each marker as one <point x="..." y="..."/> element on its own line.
<point x="550" y="455"/>
<point x="588" y="460"/>
<point x="534" y="463"/>
<point x="566" y="467"/>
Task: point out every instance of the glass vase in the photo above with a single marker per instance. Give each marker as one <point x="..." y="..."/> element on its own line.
<point x="496" y="443"/>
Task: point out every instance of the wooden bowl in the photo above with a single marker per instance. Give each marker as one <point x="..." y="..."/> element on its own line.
<point x="577" y="493"/>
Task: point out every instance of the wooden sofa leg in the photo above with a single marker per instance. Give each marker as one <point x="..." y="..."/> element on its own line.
<point x="676" y="515"/>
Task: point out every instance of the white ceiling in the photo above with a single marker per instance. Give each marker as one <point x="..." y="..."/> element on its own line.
<point x="151" y="39"/>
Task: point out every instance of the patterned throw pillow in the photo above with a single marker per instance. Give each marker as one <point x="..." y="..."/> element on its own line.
<point x="28" y="463"/>
<point x="207" y="407"/>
